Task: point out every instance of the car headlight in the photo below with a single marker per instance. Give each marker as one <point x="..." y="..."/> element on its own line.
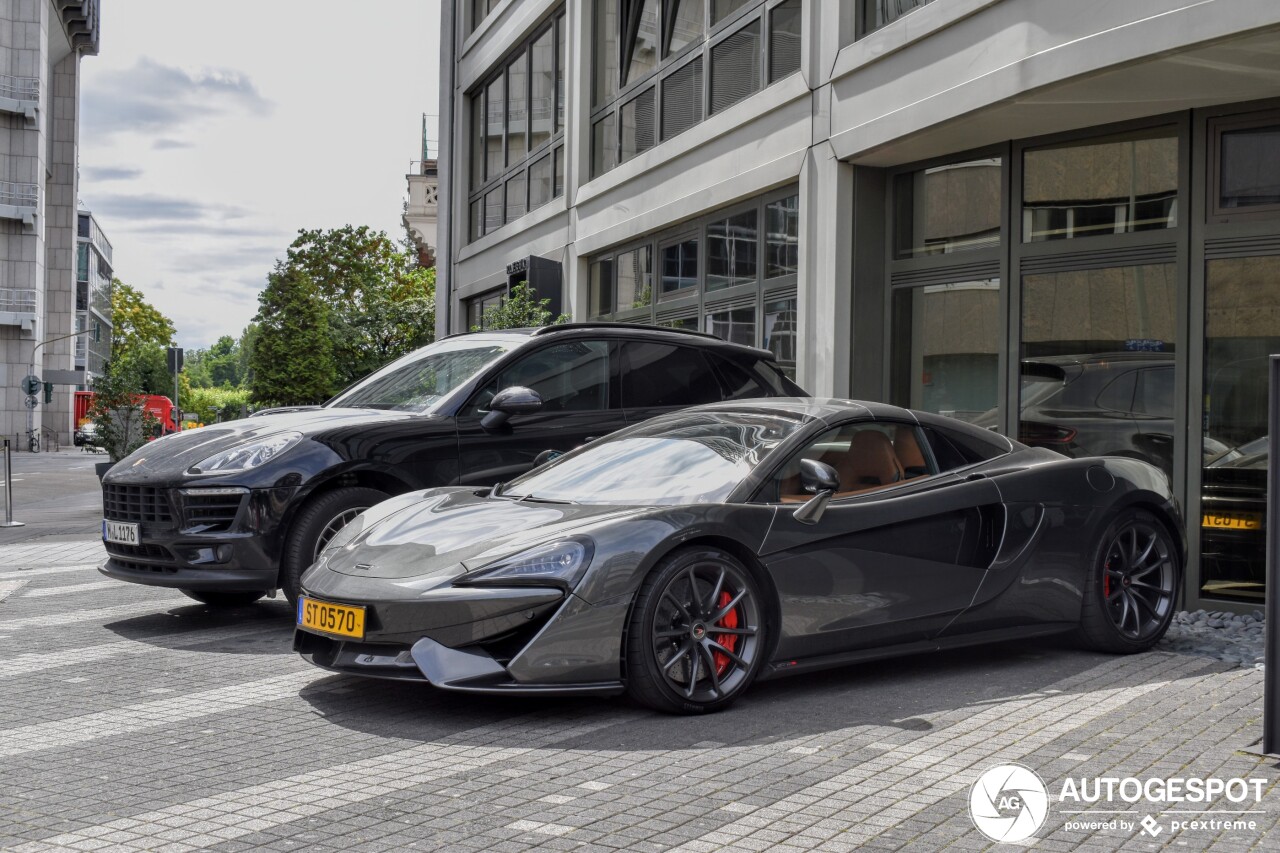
<point x="560" y="563"/>
<point x="247" y="456"/>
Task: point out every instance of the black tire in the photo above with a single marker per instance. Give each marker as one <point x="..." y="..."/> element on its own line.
<point x="1132" y="585"/>
<point x="218" y="598"/>
<point x="697" y="634"/>
<point x="316" y="523"/>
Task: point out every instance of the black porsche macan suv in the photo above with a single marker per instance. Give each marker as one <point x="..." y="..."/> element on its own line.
<point x="232" y="512"/>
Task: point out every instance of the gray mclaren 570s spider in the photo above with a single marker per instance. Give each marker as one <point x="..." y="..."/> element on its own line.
<point x="683" y="558"/>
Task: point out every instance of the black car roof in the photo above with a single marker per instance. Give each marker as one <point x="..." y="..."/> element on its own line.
<point x="683" y="336"/>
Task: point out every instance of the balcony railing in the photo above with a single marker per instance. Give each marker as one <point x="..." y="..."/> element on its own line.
<point x="20" y="88"/>
<point x="17" y="300"/>
<point x="19" y="195"/>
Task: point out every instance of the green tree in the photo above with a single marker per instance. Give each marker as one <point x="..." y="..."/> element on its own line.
<point x="123" y="422"/>
<point x="293" y="361"/>
<point x="381" y="303"/>
<point x="139" y="336"/>
<point x="520" y="310"/>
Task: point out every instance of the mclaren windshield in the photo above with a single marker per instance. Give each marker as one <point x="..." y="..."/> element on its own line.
<point x="422" y="378"/>
<point x="688" y="458"/>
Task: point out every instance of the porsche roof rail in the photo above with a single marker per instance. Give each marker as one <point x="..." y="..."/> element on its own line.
<point x="649" y="327"/>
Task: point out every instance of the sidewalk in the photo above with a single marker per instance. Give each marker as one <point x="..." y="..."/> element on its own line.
<point x="133" y="719"/>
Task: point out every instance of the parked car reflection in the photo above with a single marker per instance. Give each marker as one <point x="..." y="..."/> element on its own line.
<point x="1233" y="533"/>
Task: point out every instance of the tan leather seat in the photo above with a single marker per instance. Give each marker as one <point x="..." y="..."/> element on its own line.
<point x="907" y="448"/>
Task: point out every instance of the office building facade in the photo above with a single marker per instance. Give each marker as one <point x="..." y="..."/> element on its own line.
<point x="1060" y="220"/>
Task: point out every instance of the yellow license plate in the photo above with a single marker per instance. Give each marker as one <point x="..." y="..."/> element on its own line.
<point x="341" y="620"/>
<point x="1232" y="520"/>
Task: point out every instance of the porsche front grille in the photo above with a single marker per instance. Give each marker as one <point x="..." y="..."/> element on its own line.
<point x="142" y="504"/>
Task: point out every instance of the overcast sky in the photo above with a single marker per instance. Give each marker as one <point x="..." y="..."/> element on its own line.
<point x="211" y="132"/>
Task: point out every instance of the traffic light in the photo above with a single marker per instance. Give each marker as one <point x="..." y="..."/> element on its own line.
<point x="48" y="392"/>
<point x="30" y="385"/>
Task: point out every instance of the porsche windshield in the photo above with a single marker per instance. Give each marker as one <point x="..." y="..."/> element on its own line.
<point x="686" y="459"/>
<point x="420" y="379"/>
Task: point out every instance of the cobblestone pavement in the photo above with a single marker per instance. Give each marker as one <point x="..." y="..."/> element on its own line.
<point x="134" y="719"/>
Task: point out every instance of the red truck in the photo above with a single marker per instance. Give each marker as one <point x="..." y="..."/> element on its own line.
<point x="161" y="407"/>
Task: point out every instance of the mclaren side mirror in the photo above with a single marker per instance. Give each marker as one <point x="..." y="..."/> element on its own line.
<point x="820" y="480"/>
<point x="516" y="400"/>
<point x="546" y="456"/>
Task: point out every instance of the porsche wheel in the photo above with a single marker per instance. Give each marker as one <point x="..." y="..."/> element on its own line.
<point x="1132" y="586"/>
<point x="697" y="633"/>
<point x="315" y="525"/>
<point x="219" y="598"/>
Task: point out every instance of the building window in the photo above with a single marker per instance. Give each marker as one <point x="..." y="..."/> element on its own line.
<point x="1245" y="167"/>
<point x="874" y="14"/>
<point x="480" y="10"/>
<point x="1101" y="186"/>
<point x="946" y="340"/>
<point x="517" y="131"/>
<point x="718" y="274"/>
<point x="950" y="208"/>
<point x="479" y="304"/>
<point x="661" y="66"/>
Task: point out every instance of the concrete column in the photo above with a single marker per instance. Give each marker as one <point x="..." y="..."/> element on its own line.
<point x="825" y="273"/>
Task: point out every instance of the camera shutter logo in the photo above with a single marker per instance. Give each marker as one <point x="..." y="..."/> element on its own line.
<point x="1008" y="803"/>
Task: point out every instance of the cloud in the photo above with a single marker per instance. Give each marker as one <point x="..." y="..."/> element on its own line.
<point x="170" y="144"/>
<point x="103" y="174"/>
<point x="127" y="210"/>
<point x="153" y="99"/>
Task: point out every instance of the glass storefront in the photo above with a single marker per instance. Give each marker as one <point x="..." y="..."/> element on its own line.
<point x="1044" y="288"/>
<point x="1242" y="330"/>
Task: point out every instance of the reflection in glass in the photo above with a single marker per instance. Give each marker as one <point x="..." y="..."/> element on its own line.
<point x="1090" y="340"/>
<point x="477" y="219"/>
<point x="604" y="145"/>
<point x="605" y="55"/>
<point x="601" y="298"/>
<point x="721" y="9"/>
<point x="684" y="26"/>
<point x="477" y="139"/>
<point x="1250" y="167"/>
<point x="945" y="209"/>
<point x="416" y="381"/>
<point x="641" y="48"/>
<point x="515" y="196"/>
<point x="737" y="325"/>
<point x="540" y="182"/>
<point x="946" y="344"/>
<point x="517" y="108"/>
<point x="494" y="107"/>
<point x="874" y="14"/>
<point x="542" y="102"/>
<point x="559" y="73"/>
<point x="1100" y="187"/>
<point x="493" y="209"/>
<point x="780" y="327"/>
<point x="695" y="458"/>
<point x="559" y="170"/>
<point x="690" y="322"/>
<point x="637" y="124"/>
<point x="731" y="251"/>
<point x="680" y="267"/>
<point x="1242" y="328"/>
<point x="782" y="237"/>
<point x="634" y="272"/>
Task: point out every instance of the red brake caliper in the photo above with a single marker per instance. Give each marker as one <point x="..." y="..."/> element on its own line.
<point x="1106" y="579"/>
<point x="729" y="641"/>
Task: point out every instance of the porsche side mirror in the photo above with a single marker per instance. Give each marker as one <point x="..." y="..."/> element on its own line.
<point x="516" y="400"/>
<point x="820" y="480"/>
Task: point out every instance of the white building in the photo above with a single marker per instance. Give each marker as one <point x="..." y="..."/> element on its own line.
<point x="94" y="273"/>
<point x="41" y="42"/>
<point x="938" y="204"/>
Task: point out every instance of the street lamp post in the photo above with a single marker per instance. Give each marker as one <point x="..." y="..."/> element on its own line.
<point x="32" y="399"/>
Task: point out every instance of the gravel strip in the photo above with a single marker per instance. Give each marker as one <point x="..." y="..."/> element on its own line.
<point x="1229" y="637"/>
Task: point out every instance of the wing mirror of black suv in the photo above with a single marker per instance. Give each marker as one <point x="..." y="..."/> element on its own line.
<point x="820" y="480"/>
<point x="516" y="400"/>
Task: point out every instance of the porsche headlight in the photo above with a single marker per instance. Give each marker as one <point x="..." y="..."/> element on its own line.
<point x="247" y="456"/>
<point x="559" y="563"/>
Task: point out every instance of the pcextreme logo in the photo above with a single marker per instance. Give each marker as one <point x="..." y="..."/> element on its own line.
<point x="1008" y="803"/>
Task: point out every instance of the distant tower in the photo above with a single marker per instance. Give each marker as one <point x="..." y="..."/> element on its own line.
<point x="421" y="212"/>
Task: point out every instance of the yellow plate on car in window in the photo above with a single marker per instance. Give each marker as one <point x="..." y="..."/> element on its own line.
<point x="340" y="620"/>
<point x="1232" y="520"/>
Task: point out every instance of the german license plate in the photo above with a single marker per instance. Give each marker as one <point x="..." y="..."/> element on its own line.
<point x="341" y="620"/>
<point x="1232" y="520"/>
<point x="120" y="532"/>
